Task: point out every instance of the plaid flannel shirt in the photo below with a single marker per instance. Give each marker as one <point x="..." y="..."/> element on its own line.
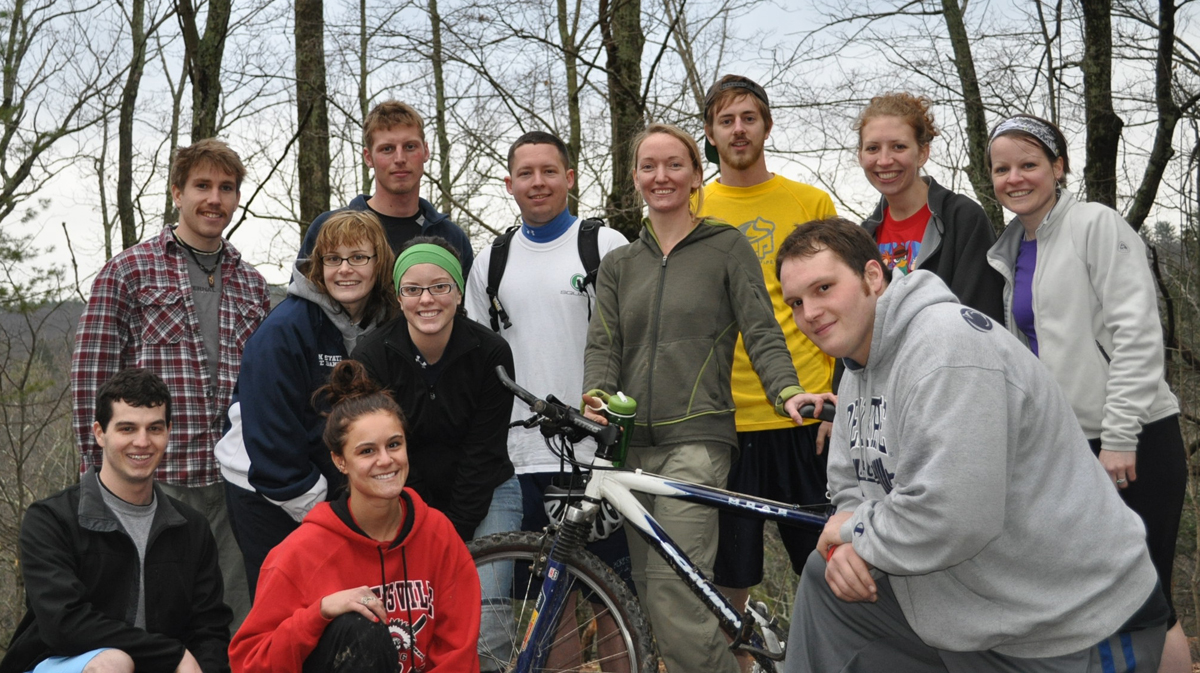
<point x="141" y="314"/>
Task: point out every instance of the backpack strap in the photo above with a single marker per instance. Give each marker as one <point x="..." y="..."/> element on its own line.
<point x="589" y="254"/>
<point x="496" y="262"/>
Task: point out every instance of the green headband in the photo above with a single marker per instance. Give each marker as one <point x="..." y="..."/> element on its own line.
<point x="427" y="253"/>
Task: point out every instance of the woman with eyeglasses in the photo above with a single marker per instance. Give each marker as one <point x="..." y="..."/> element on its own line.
<point x="441" y="368"/>
<point x="275" y="466"/>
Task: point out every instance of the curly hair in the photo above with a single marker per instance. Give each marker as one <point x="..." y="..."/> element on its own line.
<point x="914" y="110"/>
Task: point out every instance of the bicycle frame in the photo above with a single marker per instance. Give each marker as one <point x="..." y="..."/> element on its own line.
<point x="617" y="487"/>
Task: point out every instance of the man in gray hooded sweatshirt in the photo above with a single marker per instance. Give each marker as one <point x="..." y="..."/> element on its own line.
<point x="975" y="530"/>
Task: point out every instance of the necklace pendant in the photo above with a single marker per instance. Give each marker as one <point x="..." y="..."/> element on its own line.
<point x="211" y="283"/>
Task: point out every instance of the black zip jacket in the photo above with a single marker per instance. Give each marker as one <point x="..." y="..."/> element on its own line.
<point x="81" y="573"/>
<point x="955" y="248"/>
<point x="458" y="427"/>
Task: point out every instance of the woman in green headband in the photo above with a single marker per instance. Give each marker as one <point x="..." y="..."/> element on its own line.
<point x="441" y="368"/>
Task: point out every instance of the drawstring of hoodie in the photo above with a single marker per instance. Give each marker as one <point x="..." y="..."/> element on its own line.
<point x="408" y="606"/>
<point x="407" y="598"/>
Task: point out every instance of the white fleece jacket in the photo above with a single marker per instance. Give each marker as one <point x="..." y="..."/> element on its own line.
<point x="1096" y="316"/>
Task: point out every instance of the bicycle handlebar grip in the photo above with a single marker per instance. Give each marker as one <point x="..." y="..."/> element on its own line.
<point x="560" y="415"/>
<point x="524" y="395"/>
<point x="827" y="412"/>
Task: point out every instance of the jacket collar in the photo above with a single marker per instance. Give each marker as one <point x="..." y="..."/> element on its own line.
<point x="936" y="199"/>
<point x="706" y="227"/>
<point x="462" y="339"/>
<point x="94" y="515"/>
<point x="166" y="240"/>
<point x="1004" y="251"/>
<point x="425" y="209"/>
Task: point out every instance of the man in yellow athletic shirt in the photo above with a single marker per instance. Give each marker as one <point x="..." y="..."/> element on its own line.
<point x="778" y="459"/>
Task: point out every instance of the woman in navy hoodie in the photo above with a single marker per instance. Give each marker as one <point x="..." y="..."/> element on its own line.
<point x="275" y="466"/>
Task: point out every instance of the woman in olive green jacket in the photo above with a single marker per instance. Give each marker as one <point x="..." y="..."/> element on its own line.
<point x="669" y="308"/>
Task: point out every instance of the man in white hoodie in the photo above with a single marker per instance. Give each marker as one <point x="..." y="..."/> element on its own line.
<point x="974" y="529"/>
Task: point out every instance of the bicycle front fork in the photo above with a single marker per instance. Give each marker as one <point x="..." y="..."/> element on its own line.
<point x="556" y="585"/>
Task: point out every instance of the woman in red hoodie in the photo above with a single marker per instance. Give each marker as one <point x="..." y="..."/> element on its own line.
<point x="377" y="573"/>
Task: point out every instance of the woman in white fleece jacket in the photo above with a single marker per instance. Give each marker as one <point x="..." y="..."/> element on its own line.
<point x="1079" y="293"/>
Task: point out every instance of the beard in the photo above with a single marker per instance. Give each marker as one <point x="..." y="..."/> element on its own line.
<point x="740" y="162"/>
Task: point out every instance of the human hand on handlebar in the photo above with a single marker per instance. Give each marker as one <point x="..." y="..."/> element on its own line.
<point x="592" y="409"/>
<point x="793" y="404"/>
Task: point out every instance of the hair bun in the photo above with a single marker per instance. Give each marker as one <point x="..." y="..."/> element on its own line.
<point x="349" y="381"/>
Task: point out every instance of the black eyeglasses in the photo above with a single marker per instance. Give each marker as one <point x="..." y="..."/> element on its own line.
<point x="355" y="260"/>
<point x="414" y="291"/>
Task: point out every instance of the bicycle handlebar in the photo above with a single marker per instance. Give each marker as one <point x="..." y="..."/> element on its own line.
<point x="562" y="418"/>
<point x="827" y="411"/>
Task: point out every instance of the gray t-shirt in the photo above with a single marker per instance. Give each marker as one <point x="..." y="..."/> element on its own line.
<point x="136" y="520"/>
<point x="208" y="304"/>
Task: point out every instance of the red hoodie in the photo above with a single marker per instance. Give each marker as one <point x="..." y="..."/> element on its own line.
<point x="425" y="577"/>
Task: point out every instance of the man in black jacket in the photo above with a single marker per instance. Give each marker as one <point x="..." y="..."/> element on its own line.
<point x="394" y="147"/>
<point x="119" y="576"/>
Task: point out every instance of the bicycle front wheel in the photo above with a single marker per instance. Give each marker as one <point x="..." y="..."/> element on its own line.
<point x="602" y="628"/>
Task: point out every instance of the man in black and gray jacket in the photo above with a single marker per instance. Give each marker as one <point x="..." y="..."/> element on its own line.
<point x="119" y="576"/>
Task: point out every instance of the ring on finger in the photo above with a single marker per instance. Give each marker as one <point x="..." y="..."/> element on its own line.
<point x="1120" y="481"/>
<point x="367" y="600"/>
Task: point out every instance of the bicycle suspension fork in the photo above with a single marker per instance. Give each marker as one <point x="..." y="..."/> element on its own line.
<point x="556" y="585"/>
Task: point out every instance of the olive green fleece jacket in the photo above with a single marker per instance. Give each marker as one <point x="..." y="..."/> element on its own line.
<point x="665" y="327"/>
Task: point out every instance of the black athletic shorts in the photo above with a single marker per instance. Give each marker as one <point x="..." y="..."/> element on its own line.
<point x="780" y="465"/>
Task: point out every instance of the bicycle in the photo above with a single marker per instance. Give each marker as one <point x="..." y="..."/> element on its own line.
<point x="603" y="627"/>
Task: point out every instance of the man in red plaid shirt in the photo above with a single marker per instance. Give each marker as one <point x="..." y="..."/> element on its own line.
<point x="182" y="305"/>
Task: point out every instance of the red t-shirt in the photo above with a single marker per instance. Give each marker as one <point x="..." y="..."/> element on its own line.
<point x="900" y="240"/>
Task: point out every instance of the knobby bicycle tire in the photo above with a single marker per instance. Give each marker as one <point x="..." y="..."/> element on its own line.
<point x="605" y="632"/>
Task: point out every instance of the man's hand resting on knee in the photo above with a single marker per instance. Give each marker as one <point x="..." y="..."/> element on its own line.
<point x="847" y="574"/>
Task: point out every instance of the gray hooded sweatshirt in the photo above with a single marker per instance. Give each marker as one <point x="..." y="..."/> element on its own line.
<point x="305" y="289"/>
<point x="974" y="489"/>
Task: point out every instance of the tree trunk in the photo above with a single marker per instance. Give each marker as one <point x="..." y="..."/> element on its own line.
<point x="621" y="29"/>
<point x="312" y="156"/>
<point x="1103" y="124"/>
<point x="364" y="98"/>
<point x="1169" y="114"/>
<point x="567" y="33"/>
<point x="439" y="91"/>
<point x="1049" y="41"/>
<point x="204" y="56"/>
<point x="129" y="94"/>
<point x="170" y="214"/>
<point x="977" y="131"/>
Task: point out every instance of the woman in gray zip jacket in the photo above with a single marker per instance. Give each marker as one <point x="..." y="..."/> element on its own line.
<point x="1079" y="293"/>
<point x="669" y="308"/>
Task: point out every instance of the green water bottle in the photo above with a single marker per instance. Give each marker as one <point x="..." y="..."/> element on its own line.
<point x="621" y="410"/>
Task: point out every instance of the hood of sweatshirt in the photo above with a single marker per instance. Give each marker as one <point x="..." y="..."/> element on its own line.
<point x="304" y="288"/>
<point x="904" y="298"/>
<point x="705" y="228"/>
